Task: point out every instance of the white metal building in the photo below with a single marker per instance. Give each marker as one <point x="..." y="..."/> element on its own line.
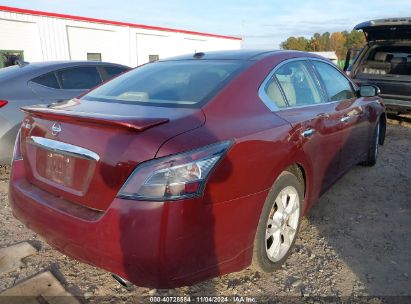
<point x="39" y="36"/>
<point x="330" y="55"/>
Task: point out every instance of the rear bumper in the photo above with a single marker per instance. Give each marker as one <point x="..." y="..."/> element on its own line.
<point x="152" y="244"/>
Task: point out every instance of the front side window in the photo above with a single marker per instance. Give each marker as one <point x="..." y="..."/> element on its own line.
<point x="298" y="84"/>
<point x="185" y="82"/>
<point x="79" y="78"/>
<point x="337" y="86"/>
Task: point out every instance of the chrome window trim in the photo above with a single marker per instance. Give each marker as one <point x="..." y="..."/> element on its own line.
<point x="63" y="148"/>
<point x="270" y="104"/>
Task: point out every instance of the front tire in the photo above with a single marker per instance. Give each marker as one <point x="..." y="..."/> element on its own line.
<point x="373" y="150"/>
<point x="279" y="223"/>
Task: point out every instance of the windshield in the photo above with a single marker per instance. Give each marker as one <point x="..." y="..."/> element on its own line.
<point x="172" y="83"/>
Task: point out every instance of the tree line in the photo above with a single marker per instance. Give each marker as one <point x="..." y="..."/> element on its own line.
<point x="338" y="42"/>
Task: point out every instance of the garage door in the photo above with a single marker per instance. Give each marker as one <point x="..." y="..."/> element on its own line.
<point x="192" y="45"/>
<point x="21" y="36"/>
<point x="152" y="47"/>
<point x="93" y="44"/>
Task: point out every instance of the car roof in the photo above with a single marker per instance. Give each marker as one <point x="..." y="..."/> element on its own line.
<point x="38" y="68"/>
<point x="64" y="63"/>
<point x="244" y="54"/>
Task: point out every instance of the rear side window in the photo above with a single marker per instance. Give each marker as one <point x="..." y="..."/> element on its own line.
<point x="337" y="86"/>
<point x="298" y="84"/>
<point x="272" y="90"/>
<point x="47" y="80"/>
<point x="114" y="71"/>
<point x="184" y="83"/>
<point x="79" y="78"/>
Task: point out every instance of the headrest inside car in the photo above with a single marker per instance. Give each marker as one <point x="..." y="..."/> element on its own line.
<point x="380" y="56"/>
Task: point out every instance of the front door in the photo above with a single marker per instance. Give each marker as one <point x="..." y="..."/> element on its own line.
<point x="353" y="123"/>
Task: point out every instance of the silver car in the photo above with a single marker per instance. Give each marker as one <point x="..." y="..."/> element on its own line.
<point x="44" y="83"/>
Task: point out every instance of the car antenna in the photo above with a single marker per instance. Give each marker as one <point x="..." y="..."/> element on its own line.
<point x="198" y="54"/>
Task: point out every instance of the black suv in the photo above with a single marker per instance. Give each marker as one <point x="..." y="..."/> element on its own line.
<point x="385" y="61"/>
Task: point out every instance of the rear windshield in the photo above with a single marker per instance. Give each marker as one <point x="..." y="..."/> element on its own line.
<point x="388" y="60"/>
<point x="184" y="83"/>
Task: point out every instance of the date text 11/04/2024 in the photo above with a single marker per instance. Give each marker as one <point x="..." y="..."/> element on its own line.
<point x="202" y="299"/>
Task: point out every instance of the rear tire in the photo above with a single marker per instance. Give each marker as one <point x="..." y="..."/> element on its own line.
<point x="373" y="150"/>
<point x="279" y="223"/>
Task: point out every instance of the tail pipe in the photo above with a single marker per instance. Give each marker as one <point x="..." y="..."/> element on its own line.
<point x="122" y="281"/>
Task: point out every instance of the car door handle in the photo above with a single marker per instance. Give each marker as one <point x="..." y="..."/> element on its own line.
<point x="323" y="115"/>
<point x="308" y="132"/>
<point x="345" y="119"/>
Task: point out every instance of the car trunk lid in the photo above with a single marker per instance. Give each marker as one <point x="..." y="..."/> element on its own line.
<point x="386" y="29"/>
<point x="84" y="156"/>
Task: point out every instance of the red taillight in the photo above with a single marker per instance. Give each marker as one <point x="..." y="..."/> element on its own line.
<point x="3" y="103"/>
<point x="174" y="177"/>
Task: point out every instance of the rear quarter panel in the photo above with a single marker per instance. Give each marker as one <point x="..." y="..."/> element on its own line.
<point x="18" y="95"/>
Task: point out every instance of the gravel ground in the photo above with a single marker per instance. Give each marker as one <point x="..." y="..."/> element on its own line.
<point x="356" y="242"/>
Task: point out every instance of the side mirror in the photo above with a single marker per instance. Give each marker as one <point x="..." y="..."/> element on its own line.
<point x="369" y="90"/>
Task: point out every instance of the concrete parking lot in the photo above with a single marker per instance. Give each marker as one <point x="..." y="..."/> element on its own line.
<point x="356" y="242"/>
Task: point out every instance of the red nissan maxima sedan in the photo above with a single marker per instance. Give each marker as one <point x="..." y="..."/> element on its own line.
<point x="193" y="167"/>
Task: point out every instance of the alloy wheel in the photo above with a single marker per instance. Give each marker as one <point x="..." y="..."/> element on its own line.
<point x="282" y="223"/>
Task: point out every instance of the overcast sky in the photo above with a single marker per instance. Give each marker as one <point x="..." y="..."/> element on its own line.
<point x="261" y="23"/>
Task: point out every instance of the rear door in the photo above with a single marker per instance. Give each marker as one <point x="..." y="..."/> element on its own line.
<point x="298" y="98"/>
<point x="349" y="113"/>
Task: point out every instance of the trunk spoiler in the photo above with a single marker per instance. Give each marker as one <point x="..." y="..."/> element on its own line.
<point x="127" y="122"/>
